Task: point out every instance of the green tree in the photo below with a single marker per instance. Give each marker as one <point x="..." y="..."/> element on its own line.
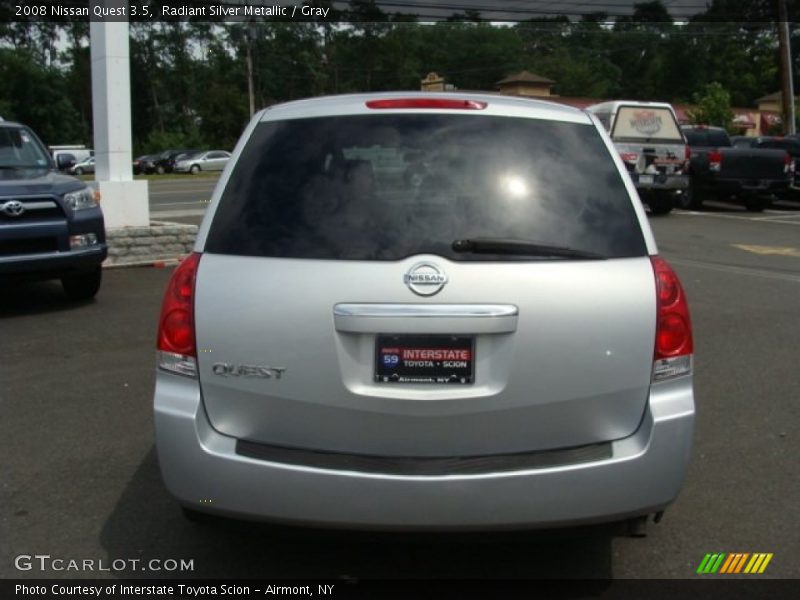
<point x="712" y="107"/>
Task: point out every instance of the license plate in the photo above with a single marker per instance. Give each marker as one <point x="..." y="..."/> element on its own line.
<point x="645" y="179"/>
<point x="424" y="359"/>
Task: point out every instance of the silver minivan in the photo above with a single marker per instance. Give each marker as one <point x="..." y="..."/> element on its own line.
<point x="425" y="311"/>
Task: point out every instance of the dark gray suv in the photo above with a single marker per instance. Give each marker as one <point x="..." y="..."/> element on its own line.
<point x="51" y="226"/>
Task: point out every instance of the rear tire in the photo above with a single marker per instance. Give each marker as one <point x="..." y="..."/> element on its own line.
<point x="160" y="170"/>
<point x="691" y="198"/>
<point x="194" y="170"/>
<point x="660" y="203"/>
<point x="84" y="285"/>
<point x="755" y="203"/>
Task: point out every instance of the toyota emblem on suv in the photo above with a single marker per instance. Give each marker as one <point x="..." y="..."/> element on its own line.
<point x="13" y="208"/>
<point x="425" y="279"/>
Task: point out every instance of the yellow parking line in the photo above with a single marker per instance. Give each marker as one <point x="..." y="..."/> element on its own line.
<point x="767" y="250"/>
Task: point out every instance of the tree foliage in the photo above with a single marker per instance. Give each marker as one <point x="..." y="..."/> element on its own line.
<point x="712" y="107"/>
<point x="190" y="87"/>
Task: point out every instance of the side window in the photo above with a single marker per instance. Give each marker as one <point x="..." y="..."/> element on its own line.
<point x="718" y="139"/>
<point x="694" y="138"/>
<point x="605" y="119"/>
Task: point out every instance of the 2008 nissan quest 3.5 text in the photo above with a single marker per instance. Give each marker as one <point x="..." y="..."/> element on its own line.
<point x="425" y="311"/>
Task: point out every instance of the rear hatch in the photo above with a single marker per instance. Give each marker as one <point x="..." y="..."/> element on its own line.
<point x="649" y="140"/>
<point x="335" y="313"/>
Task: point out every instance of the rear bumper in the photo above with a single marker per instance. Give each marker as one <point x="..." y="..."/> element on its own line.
<point x="202" y="469"/>
<point x="660" y="181"/>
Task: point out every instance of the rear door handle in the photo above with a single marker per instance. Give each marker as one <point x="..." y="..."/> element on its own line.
<point x="425" y="318"/>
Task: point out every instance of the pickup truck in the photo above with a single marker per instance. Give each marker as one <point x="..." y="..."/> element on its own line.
<point x="648" y="139"/>
<point x="749" y="175"/>
<point x="790" y="143"/>
<point x="51" y="226"/>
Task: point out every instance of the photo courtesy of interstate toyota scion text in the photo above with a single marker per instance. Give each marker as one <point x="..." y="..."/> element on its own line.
<point x="425" y="311"/>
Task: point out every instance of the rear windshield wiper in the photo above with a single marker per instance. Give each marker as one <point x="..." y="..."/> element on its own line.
<point x="520" y="247"/>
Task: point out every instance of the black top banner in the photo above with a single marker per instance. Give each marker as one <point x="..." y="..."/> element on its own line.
<point x="380" y="10"/>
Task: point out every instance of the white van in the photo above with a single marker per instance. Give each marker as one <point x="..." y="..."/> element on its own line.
<point x="652" y="146"/>
<point x="67" y="157"/>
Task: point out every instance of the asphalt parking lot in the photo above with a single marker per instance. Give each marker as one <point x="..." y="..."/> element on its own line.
<point x="80" y="477"/>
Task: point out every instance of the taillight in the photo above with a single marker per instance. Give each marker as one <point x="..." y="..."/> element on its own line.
<point x="177" y="351"/>
<point x="629" y="156"/>
<point x="714" y="160"/>
<point x="687" y="153"/>
<point x="427" y="103"/>
<point x="673" y="345"/>
<point x="788" y="164"/>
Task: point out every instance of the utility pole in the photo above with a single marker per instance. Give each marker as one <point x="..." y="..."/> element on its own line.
<point x="787" y="83"/>
<point x="251" y="36"/>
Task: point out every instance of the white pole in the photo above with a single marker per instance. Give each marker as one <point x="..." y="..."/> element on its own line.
<point x="124" y="201"/>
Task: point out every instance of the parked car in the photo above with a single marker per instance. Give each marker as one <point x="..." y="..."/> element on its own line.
<point x="66" y="157"/>
<point x="647" y="137"/>
<point x="85" y="166"/>
<point x="211" y="160"/>
<point x="143" y="164"/>
<point x="790" y="143"/>
<point x="165" y="161"/>
<point x="180" y="156"/>
<point x="51" y="226"/>
<point x="493" y="342"/>
<point x="750" y="175"/>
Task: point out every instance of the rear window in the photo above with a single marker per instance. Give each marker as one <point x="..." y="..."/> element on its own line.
<point x="707" y="137"/>
<point x="637" y="123"/>
<point x="384" y="187"/>
<point x="792" y="147"/>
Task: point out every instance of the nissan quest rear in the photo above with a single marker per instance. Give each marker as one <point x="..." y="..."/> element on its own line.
<point x="425" y="311"/>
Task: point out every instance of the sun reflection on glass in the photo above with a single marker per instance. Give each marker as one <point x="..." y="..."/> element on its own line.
<point x="515" y="186"/>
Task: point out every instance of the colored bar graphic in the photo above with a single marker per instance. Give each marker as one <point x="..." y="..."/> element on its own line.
<point x="754" y="563"/>
<point x="711" y="563"/>
<point x="703" y="564"/>
<point x="734" y="563"/>
<point x="765" y="563"/>
<point x="728" y="565"/>
<point x="741" y="562"/>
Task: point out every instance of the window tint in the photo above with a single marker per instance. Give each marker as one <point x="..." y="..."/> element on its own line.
<point x="790" y="146"/>
<point x="19" y="148"/>
<point x="718" y="138"/>
<point x="695" y="137"/>
<point x="390" y="186"/>
<point x="707" y="137"/>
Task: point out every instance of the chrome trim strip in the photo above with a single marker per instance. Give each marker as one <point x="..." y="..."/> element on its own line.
<point x="466" y="311"/>
<point x="39" y="205"/>
<point x="30" y="197"/>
